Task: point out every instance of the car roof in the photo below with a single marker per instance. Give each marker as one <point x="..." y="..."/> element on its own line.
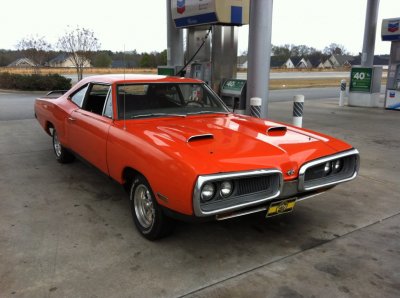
<point x="137" y="78"/>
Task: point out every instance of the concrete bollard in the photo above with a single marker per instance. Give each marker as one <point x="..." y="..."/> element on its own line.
<point x="342" y="93"/>
<point x="255" y="107"/>
<point x="298" y="103"/>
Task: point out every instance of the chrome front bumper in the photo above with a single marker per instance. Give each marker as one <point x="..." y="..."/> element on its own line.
<point x="298" y="189"/>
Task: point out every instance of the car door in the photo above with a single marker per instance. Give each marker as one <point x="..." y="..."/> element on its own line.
<point x="88" y="125"/>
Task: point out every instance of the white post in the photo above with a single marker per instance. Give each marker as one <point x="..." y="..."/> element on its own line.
<point x="298" y="103"/>
<point x="255" y="107"/>
<point x="259" y="53"/>
<point x="342" y="92"/>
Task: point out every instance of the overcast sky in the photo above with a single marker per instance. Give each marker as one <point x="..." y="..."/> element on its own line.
<point x="140" y="24"/>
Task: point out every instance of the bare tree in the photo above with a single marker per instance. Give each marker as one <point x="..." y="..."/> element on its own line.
<point x="336" y="49"/>
<point x="36" y="49"/>
<point x="79" y="43"/>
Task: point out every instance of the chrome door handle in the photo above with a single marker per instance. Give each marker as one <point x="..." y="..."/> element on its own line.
<point x="71" y="119"/>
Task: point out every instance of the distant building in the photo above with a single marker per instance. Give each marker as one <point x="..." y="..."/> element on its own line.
<point x="297" y="62"/>
<point x="277" y="62"/>
<point x="316" y="62"/>
<point x="65" y="60"/>
<point x="379" y="60"/>
<point x="22" y="62"/>
<point x="123" y="64"/>
<point x="290" y="63"/>
<point x="340" y="60"/>
<point x="242" y="62"/>
<point x="327" y="64"/>
<point x="304" y="63"/>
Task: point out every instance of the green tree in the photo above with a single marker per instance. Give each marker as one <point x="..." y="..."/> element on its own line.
<point x="162" y="58"/>
<point x="145" y="60"/>
<point x="102" y="59"/>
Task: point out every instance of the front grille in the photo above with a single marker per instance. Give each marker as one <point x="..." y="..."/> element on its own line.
<point x="252" y="185"/>
<point x="329" y="170"/>
<point x="247" y="190"/>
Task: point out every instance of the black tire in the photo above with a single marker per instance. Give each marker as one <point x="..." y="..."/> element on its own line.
<point x="147" y="215"/>
<point x="62" y="154"/>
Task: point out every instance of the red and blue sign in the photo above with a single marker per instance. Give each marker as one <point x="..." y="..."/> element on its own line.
<point x="180" y="6"/>
<point x="393" y="26"/>
<point x="391" y="29"/>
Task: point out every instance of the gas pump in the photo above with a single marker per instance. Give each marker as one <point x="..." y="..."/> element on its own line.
<point x="211" y="42"/>
<point x="199" y="70"/>
<point x="391" y="32"/>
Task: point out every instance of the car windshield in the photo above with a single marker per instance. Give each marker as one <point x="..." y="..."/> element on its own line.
<point x="166" y="99"/>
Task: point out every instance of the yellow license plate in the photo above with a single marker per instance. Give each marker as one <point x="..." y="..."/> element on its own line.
<point x="281" y="207"/>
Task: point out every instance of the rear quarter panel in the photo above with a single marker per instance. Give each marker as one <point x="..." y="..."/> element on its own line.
<point x="54" y="112"/>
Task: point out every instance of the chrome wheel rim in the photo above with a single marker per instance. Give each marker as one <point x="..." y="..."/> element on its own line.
<point x="56" y="144"/>
<point x="144" y="208"/>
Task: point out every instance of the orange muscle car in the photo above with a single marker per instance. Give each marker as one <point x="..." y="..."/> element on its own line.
<point x="180" y="153"/>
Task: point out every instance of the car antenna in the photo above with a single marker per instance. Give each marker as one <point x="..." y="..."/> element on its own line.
<point x="124" y="88"/>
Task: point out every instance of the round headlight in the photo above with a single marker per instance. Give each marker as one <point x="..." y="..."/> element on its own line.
<point x="207" y="192"/>
<point x="337" y="165"/>
<point x="327" y="168"/>
<point x="226" y="189"/>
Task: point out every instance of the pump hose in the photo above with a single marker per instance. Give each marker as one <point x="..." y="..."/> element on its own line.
<point x="194" y="55"/>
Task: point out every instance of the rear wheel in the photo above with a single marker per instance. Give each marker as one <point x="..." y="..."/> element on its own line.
<point x="147" y="214"/>
<point x="62" y="154"/>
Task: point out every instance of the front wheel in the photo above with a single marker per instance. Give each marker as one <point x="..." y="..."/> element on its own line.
<point x="147" y="214"/>
<point x="62" y="154"/>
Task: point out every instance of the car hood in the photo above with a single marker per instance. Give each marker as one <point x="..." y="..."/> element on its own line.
<point x="226" y="143"/>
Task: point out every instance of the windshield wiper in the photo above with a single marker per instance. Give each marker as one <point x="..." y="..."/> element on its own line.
<point x="157" y="115"/>
<point x="208" y="112"/>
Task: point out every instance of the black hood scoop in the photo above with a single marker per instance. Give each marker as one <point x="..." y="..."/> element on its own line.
<point x="200" y="137"/>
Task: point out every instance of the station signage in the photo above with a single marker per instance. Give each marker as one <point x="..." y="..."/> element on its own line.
<point x="391" y="29"/>
<point x="361" y="79"/>
<point x="189" y="13"/>
<point x="234" y="85"/>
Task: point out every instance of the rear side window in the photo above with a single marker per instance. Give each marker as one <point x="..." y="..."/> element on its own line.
<point x="79" y="96"/>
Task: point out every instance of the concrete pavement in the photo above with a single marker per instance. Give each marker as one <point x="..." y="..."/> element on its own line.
<point x="66" y="230"/>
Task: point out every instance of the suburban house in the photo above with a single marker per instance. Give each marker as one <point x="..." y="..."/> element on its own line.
<point x="340" y="61"/>
<point x="304" y="63"/>
<point x="333" y="61"/>
<point x="242" y="62"/>
<point x="22" y="62"/>
<point x="297" y="62"/>
<point x="65" y="60"/>
<point x="277" y="62"/>
<point x="316" y="62"/>
<point x="379" y="60"/>
<point x="290" y="63"/>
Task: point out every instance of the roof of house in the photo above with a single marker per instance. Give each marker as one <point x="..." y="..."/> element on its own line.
<point x="378" y="60"/>
<point x="241" y="59"/>
<point x="277" y="61"/>
<point x="315" y="61"/>
<point x="22" y="61"/>
<point x="295" y="60"/>
<point x="60" y="58"/>
<point x="342" y="59"/>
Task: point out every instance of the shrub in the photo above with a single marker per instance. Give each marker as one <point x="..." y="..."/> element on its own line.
<point x="34" y="82"/>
